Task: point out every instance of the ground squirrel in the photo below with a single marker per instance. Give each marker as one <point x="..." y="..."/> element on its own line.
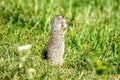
<point x="55" y="48"/>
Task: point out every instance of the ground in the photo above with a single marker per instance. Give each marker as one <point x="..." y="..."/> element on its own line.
<point x="92" y="39"/>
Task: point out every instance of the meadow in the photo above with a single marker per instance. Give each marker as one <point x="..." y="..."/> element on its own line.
<point x="92" y="39"/>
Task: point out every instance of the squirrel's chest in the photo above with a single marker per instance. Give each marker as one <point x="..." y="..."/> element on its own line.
<point x="56" y="42"/>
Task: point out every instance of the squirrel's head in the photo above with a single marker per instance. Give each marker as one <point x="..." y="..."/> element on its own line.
<point x="59" y="24"/>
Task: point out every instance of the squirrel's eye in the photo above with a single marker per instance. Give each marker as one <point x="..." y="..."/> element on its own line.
<point x="62" y="24"/>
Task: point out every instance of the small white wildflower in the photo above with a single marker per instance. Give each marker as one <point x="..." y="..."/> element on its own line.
<point x="24" y="47"/>
<point x="20" y="65"/>
<point x="31" y="70"/>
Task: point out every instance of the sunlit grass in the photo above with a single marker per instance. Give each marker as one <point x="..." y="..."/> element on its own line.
<point x="92" y="40"/>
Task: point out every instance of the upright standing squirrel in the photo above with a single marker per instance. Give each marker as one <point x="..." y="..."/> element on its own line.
<point x="55" y="48"/>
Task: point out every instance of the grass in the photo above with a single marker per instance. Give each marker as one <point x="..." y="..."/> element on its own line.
<point x="92" y="41"/>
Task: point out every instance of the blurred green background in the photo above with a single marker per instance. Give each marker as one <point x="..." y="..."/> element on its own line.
<point x="92" y="40"/>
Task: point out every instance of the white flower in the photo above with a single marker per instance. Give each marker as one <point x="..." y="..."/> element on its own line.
<point x="24" y="47"/>
<point x="20" y="65"/>
<point x="31" y="70"/>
